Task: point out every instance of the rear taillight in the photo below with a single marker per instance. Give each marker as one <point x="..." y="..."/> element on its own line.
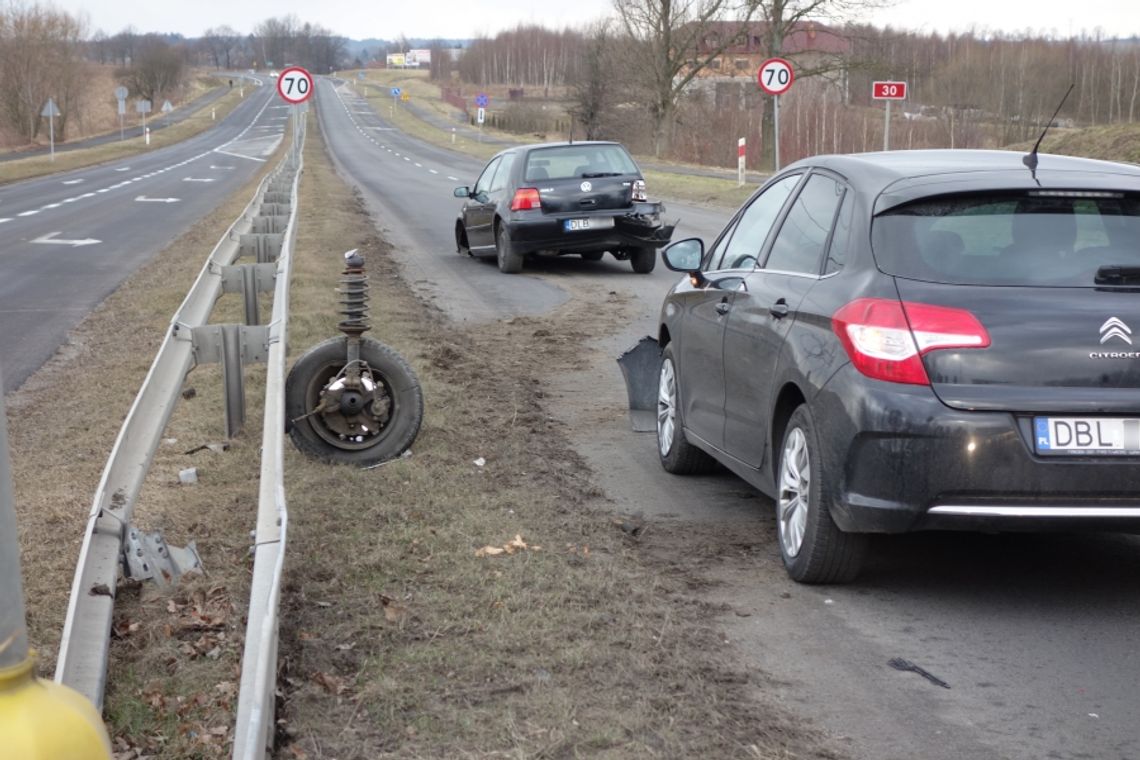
<point x="639" y="193"/>
<point x="525" y="199"/>
<point x="886" y="339"/>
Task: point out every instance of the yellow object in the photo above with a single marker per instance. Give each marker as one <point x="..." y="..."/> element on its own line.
<point x="41" y="720"/>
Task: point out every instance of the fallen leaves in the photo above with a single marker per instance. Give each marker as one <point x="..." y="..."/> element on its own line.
<point x="516" y="544"/>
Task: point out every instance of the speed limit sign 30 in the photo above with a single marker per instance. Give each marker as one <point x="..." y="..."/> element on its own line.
<point x="295" y="85"/>
<point x="775" y="76"/>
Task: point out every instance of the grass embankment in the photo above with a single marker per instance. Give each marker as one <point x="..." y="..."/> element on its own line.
<point x="199" y="121"/>
<point x="403" y="636"/>
<point x="425" y="94"/>
<point x="1113" y="142"/>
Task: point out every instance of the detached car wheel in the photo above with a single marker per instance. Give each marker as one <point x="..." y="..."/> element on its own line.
<point x="813" y="548"/>
<point x="363" y="427"/>
<point x="510" y="261"/>
<point x="643" y="259"/>
<point x="678" y="456"/>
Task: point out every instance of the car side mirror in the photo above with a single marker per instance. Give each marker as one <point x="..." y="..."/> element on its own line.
<point x="462" y="192"/>
<point x="684" y="255"/>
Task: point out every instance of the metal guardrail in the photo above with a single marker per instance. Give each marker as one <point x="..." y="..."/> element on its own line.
<point x="265" y="231"/>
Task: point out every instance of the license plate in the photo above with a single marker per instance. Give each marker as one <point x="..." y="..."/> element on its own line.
<point x="1105" y="436"/>
<point x="589" y="223"/>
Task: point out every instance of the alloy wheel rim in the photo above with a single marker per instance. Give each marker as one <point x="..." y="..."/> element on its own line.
<point x="795" y="492"/>
<point x="666" y="408"/>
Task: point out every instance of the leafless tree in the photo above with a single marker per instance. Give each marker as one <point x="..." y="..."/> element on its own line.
<point x="157" y="70"/>
<point x="222" y="42"/>
<point x="40" y="57"/>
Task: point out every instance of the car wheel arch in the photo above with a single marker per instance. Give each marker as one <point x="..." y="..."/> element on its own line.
<point x="787" y="401"/>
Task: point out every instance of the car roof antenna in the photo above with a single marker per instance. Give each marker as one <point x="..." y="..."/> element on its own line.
<point x="1031" y="159"/>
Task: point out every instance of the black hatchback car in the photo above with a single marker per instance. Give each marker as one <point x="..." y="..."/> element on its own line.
<point x="914" y="340"/>
<point x="583" y="197"/>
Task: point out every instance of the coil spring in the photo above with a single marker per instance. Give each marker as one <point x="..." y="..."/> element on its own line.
<point x="353" y="292"/>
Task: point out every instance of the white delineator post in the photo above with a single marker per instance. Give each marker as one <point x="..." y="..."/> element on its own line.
<point x="741" y="149"/>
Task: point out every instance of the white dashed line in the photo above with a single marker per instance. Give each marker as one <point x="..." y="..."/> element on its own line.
<point x="4" y="220"/>
<point x="29" y="213"/>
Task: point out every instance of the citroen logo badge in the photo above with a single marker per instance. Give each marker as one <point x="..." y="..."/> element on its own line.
<point x="1114" y="327"/>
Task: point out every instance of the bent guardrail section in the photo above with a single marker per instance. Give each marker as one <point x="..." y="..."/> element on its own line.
<point x="263" y="231"/>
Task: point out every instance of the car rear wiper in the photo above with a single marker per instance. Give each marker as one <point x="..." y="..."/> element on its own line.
<point x="1117" y="275"/>
<point x="595" y="175"/>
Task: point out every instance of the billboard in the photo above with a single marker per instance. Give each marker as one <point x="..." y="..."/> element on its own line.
<point x="419" y="57"/>
<point x="396" y="60"/>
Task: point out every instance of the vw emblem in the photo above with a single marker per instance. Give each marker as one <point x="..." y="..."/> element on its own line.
<point x="587" y="187"/>
<point x="1114" y="327"/>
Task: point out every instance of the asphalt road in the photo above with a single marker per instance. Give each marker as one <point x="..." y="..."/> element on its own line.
<point x="68" y="240"/>
<point x="1034" y="635"/>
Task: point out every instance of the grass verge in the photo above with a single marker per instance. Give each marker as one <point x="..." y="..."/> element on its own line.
<point x="403" y="634"/>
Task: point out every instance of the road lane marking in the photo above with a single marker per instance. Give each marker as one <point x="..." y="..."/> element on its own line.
<point x="29" y="213"/>
<point x="197" y="179"/>
<point x="72" y="181"/>
<point x="52" y="239"/>
<point x="144" y="199"/>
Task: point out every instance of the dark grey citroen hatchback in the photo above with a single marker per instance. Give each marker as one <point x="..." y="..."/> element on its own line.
<point x="914" y="340"/>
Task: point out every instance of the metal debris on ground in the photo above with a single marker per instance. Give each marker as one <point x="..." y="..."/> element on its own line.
<point x="899" y="663"/>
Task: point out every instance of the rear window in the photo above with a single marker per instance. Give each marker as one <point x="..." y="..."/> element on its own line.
<point x="1039" y="239"/>
<point x="579" y="161"/>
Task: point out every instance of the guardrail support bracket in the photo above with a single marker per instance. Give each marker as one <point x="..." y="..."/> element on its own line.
<point x="232" y="346"/>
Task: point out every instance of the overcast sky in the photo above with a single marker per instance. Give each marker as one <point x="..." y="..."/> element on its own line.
<point x="386" y="19"/>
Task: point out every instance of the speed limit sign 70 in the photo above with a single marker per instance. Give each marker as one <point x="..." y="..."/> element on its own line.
<point x="775" y="76"/>
<point x="295" y="85"/>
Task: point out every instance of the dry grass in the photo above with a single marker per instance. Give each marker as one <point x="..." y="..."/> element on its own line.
<point x="399" y="639"/>
<point x="199" y="121"/>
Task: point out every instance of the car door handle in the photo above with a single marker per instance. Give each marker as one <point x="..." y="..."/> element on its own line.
<point x="723" y="307"/>
<point x="779" y="310"/>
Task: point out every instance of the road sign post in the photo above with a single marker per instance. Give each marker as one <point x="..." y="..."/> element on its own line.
<point x="143" y="107"/>
<point x="481" y="100"/>
<point x="395" y="96"/>
<point x="51" y="111"/>
<point x="121" y="96"/>
<point x="775" y="77"/>
<point x="295" y="86"/>
<point x="888" y="91"/>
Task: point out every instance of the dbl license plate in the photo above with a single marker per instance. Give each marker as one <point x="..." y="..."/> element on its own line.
<point x="595" y="223"/>
<point x="1087" y="435"/>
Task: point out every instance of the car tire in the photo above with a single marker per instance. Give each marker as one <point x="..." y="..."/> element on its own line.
<point x="315" y="434"/>
<point x="677" y="455"/>
<point x="593" y="255"/>
<point x="510" y="260"/>
<point x="643" y="260"/>
<point x="813" y="548"/>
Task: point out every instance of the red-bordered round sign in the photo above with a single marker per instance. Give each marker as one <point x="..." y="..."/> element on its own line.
<point x="295" y="85"/>
<point x="775" y="76"/>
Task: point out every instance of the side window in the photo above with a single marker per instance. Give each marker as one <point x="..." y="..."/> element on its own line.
<point x="841" y="239"/>
<point x="752" y="229"/>
<point x="483" y="184"/>
<point x="800" y="242"/>
<point x="502" y="176"/>
<point x="717" y="253"/>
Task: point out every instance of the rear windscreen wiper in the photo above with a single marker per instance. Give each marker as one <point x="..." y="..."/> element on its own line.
<point x="595" y="175"/>
<point x="1117" y="275"/>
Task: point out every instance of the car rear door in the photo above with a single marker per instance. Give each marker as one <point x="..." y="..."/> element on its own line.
<point x="765" y="310"/>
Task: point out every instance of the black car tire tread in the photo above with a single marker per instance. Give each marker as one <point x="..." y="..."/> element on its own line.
<point x="510" y="261"/>
<point x="643" y="259"/>
<point x="683" y="458"/>
<point x="827" y="555"/>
